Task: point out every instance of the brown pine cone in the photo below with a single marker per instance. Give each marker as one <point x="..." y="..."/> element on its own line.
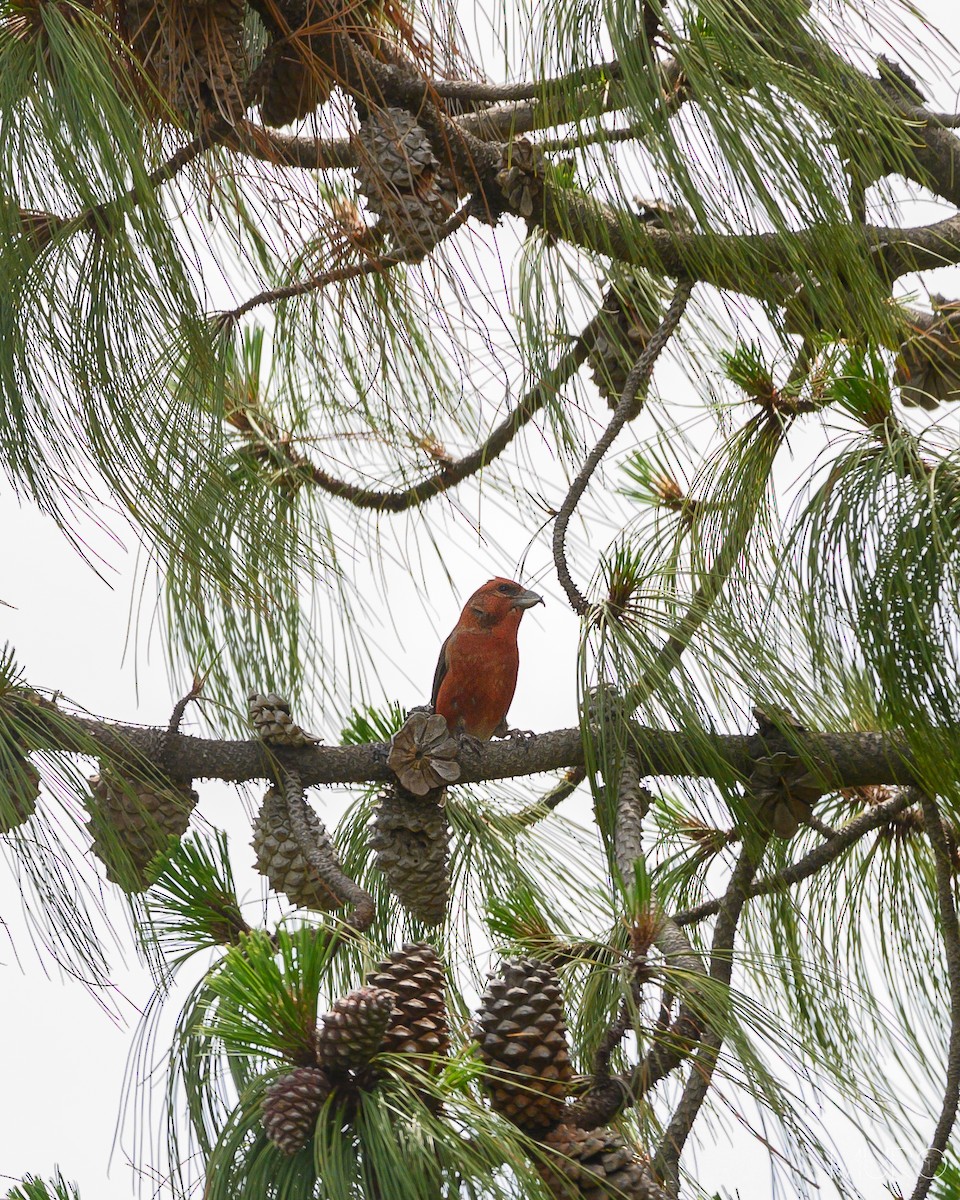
<point x="522" y="1037"/>
<point x="291" y="1105"/>
<point x="352" y="1032"/>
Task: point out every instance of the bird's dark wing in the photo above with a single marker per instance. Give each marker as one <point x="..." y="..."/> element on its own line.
<point x="442" y="668"/>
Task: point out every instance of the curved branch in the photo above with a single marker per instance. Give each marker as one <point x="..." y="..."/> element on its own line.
<point x="950" y="930"/>
<point x="631" y="401"/>
<point x="453" y="473"/>
<point x="373" y="266"/>
<point x="811" y="863"/>
<point x="666" y="1162"/>
<point x="325" y="864"/>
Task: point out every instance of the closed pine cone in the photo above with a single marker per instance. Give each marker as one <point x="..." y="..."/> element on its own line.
<point x="352" y="1032"/>
<point x="279" y="857"/>
<point x="595" y="1164"/>
<point x="418" y="1020"/>
<point x="411" y="838"/>
<point x="134" y="824"/>
<point x="291" y="1105"/>
<point x="193" y="53"/>
<point x="521" y="1036"/>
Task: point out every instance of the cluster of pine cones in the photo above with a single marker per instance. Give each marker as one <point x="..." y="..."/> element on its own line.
<point x="193" y="56"/>
<point x="401" y="1010"/>
<point x="520" y="1036"/>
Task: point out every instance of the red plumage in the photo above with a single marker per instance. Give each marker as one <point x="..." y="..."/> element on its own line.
<point x="477" y="672"/>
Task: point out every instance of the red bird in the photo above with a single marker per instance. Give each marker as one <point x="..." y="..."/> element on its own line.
<point x="477" y="672"/>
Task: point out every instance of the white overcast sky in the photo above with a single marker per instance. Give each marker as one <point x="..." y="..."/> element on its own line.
<point x="64" y="1057"/>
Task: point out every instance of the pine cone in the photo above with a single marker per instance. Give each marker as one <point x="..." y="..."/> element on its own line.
<point x="595" y="1164"/>
<point x="411" y="839"/>
<point x="134" y="824"/>
<point x="19" y="790"/>
<point x="279" y="857"/>
<point x="295" y="88"/>
<point x="418" y="1020"/>
<point x="352" y="1032"/>
<point x="521" y="1036"/>
<point x="928" y="365"/>
<point x="273" y="724"/>
<point x="629" y="318"/>
<point x="402" y="179"/>
<point x="193" y="53"/>
<point x="291" y="1105"/>
<point x="423" y="754"/>
<point x="783" y="792"/>
<point x="521" y="177"/>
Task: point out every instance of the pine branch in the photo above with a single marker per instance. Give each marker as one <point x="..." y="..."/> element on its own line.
<point x="304" y="153"/>
<point x="666" y="1161"/>
<point x="451" y="473"/>
<point x="950" y="931"/>
<point x="610" y="1096"/>
<point x="709" y="591"/>
<point x="546" y="804"/>
<point x="875" y="817"/>
<point x="631" y="401"/>
<point x="514" y="119"/>
<point x="373" y="266"/>
<point x="843" y="760"/>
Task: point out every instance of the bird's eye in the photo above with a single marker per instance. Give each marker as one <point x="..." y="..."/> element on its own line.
<point x="507" y="589"/>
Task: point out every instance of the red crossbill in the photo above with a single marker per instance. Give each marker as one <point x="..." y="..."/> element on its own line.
<point x="477" y="672"/>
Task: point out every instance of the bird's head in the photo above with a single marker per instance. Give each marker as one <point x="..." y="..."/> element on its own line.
<point x="497" y="601"/>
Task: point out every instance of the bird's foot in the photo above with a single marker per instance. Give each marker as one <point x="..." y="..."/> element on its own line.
<point x="519" y="735"/>
<point x="468" y="742"/>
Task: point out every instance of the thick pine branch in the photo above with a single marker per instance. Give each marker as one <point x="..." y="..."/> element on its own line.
<point x="844" y="760"/>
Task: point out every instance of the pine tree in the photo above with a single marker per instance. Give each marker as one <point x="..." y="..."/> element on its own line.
<point x="302" y="301"/>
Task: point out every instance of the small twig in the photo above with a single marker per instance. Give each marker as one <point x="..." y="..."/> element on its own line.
<point x="374" y="266"/>
<point x="327" y="868"/>
<point x="102" y="215"/>
<point x="813" y="862"/>
<point x="512" y="118"/>
<point x="617" y="1029"/>
<point x="556" y="796"/>
<point x="181" y="705"/>
<point x="950" y="931"/>
<point x="666" y="1161"/>
<point x="631" y="401"/>
<point x="601" y="136"/>
<point x="813" y="822"/>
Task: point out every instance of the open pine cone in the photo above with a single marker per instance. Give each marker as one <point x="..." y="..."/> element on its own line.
<point x="423" y="754"/>
<point x="273" y="724"/>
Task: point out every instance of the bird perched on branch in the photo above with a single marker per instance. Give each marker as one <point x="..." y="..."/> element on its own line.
<point x="477" y="672"/>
